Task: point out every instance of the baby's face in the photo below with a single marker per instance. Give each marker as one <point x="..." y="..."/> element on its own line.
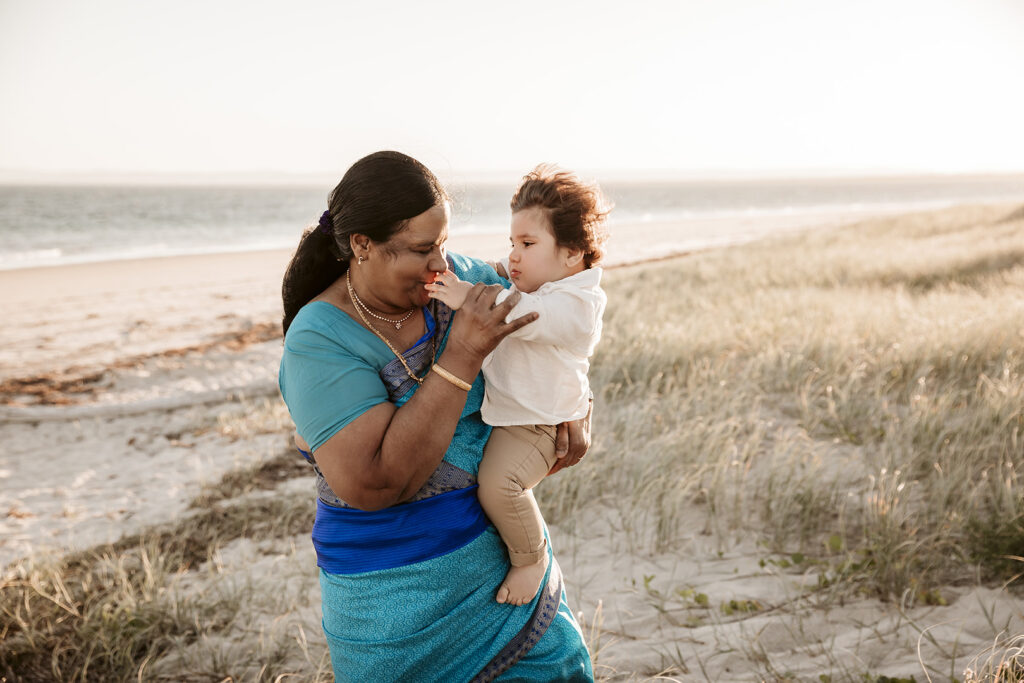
<point x="535" y="257"/>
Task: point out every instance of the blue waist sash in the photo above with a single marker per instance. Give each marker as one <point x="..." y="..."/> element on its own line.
<point x="350" y="541"/>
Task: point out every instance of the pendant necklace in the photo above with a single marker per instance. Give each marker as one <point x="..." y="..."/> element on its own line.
<point x="359" y="306"/>
<point x="359" y="303"/>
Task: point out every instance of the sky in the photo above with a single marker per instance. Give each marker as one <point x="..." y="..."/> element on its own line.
<point x="693" y="87"/>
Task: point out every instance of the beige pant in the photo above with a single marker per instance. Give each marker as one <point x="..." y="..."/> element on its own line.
<point x="515" y="460"/>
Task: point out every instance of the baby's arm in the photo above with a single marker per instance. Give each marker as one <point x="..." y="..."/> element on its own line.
<point x="449" y="289"/>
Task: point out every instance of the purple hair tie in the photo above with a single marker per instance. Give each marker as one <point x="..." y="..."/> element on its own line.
<point x="326" y="224"/>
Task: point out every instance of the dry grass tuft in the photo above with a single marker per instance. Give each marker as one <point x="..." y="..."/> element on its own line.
<point x="109" y="612"/>
<point x="97" y="615"/>
<point x="1001" y="663"/>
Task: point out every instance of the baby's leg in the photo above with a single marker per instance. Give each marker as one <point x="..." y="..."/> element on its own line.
<point x="515" y="460"/>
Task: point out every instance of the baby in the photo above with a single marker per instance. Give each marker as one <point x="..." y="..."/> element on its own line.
<point x="537" y="377"/>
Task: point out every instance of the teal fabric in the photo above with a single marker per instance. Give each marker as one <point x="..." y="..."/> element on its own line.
<point x="438" y="621"/>
<point x="328" y="374"/>
<point x="433" y="620"/>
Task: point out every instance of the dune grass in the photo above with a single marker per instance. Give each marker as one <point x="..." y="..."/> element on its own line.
<point x="100" y="614"/>
<point x="857" y="395"/>
<point x="112" y="612"/>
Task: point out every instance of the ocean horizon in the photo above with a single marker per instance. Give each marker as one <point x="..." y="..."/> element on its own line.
<point x="47" y="225"/>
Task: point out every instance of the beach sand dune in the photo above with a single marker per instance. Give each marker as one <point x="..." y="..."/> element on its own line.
<point x="127" y="389"/>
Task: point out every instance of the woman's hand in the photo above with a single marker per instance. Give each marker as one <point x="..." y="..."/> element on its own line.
<point x="572" y="441"/>
<point x="480" y="323"/>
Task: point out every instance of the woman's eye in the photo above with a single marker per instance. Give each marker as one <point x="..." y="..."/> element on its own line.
<point x="527" y="244"/>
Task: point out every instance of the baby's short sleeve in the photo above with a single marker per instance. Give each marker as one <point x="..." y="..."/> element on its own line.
<point x="325" y="382"/>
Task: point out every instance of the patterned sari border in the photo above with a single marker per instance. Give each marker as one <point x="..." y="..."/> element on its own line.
<point x="543" y="614"/>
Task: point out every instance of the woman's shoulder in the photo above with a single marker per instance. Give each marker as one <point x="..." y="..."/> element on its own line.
<point x="323" y="332"/>
<point x="316" y="321"/>
<point x="315" y="315"/>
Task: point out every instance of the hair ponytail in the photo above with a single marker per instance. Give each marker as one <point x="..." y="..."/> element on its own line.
<point x="312" y="269"/>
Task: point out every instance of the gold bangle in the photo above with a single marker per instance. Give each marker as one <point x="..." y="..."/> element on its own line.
<point x="465" y="386"/>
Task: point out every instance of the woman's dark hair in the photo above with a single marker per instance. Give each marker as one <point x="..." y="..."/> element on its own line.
<point x="577" y="209"/>
<point x="376" y="198"/>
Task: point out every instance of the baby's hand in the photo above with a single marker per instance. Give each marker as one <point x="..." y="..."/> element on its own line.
<point x="449" y="289"/>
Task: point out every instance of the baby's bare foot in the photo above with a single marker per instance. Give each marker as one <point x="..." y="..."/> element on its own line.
<point x="521" y="583"/>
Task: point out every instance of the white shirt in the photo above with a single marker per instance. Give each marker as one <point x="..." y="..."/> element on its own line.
<point x="538" y="374"/>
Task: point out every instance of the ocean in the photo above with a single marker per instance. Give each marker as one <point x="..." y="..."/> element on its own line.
<point x="55" y="225"/>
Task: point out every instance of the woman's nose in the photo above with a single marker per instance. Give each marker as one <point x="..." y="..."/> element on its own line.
<point x="437" y="261"/>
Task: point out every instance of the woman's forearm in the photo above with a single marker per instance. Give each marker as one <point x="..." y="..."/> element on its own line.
<point x="421" y="430"/>
<point x="384" y="456"/>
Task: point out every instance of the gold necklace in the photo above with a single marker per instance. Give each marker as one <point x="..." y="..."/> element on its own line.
<point x="359" y="302"/>
<point x="352" y="294"/>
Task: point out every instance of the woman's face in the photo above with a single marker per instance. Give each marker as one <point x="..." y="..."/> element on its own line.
<point x="398" y="270"/>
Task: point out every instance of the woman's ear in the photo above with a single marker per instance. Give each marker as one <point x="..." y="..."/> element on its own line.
<point x="360" y="245"/>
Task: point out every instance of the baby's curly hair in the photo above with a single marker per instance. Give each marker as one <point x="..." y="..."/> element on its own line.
<point x="577" y="209"/>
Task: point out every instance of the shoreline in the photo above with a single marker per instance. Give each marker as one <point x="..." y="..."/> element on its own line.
<point x="479" y="238"/>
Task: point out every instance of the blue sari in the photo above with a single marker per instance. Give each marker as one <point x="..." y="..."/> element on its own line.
<point x="408" y="592"/>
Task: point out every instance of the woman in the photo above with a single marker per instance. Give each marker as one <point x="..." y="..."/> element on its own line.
<point x="383" y="383"/>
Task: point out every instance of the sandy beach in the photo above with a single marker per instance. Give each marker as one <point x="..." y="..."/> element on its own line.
<point x="128" y="386"/>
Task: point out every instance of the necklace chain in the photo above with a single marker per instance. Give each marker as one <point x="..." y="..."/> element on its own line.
<point x="359" y="305"/>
